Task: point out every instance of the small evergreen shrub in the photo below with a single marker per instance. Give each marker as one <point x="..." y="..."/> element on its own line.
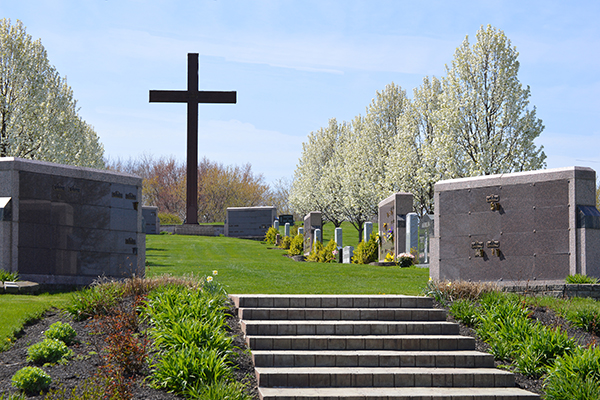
<point x="32" y="380"/>
<point x="317" y="248"/>
<point x="61" y="331"/>
<point x="48" y="351"/>
<point x="581" y="279"/>
<point x="286" y="242"/>
<point x="367" y="252"/>
<point x="296" y="246"/>
<point x="169" y="219"/>
<point x="271" y="235"/>
<point x="324" y="254"/>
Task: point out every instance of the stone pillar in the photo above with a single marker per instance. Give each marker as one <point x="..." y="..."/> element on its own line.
<point x="367" y="230"/>
<point x="338" y="237"/>
<point x="287" y="229"/>
<point x="412" y="232"/>
<point x="276" y="224"/>
<point x="300" y="231"/>
<point x="318" y="237"/>
<point x="347" y="254"/>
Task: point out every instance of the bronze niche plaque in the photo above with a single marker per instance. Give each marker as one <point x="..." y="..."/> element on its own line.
<point x="493" y="244"/>
<point x="477" y="245"/>
<point x="494" y="200"/>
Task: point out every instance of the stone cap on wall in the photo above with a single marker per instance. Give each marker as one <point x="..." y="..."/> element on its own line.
<point x="516" y="178"/>
<point x="71" y="171"/>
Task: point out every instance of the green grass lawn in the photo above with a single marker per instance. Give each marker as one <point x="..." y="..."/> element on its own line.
<point x="349" y="232"/>
<point x="247" y="266"/>
<point x="18" y="309"/>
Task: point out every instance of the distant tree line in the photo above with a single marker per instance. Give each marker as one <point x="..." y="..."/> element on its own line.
<point x="219" y="186"/>
<point x="474" y="121"/>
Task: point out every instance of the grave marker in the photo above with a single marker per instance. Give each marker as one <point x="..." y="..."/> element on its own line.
<point x="519" y="227"/>
<point x="312" y="221"/>
<point x="249" y="222"/>
<point x="392" y="223"/>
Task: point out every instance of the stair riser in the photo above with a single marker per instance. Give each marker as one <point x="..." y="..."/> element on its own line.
<point x="356" y="343"/>
<point x="317" y="380"/>
<point x="343" y="314"/>
<point x="323" y="360"/>
<point x="332" y="302"/>
<point x="411" y="328"/>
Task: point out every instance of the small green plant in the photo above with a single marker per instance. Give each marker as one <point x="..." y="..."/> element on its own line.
<point x="61" y="331"/>
<point x="31" y="380"/>
<point x="95" y="301"/>
<point x="48" y="351"/>
<point x="465" y="311"/>
<point x="581" y="279"/>
<point x="296" y="246"/>
<point x="169" y="219"/>
<point x="286" y="242"/>
<point x="271" y="235"/>
<point x="586" y="319"/>
<point x="6" y="276"/>
<point x="366" y="252"/>
<point x="574" y="376"/>
<point x="222" y="390"/>
<point x="324" y="254"/>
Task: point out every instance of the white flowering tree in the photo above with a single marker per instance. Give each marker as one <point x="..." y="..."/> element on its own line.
<point x="308" y="192"/>
<point x="38" y="115"/>
<point x="485" y="108"/>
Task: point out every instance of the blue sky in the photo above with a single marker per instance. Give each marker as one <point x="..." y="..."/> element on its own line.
<point x="297" y="63"/>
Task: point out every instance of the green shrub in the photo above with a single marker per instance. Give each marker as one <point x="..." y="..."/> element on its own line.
<point x="61" y="331"/>
<point x="286" y="242"/>
<point x="465" y="311"/>
<point x="575" y="376"/>
<point x="271" y="235"/>
<point x="48" y="351"/>
<point x="6" y="276"/>
<point x="579" y="279"/>
<point x="169" y="219"/>
<point x="317" y="248"/>
<point x="586" y="319"/>
<point x="296" y="246"/>
<point x="97" y="300"/>
<point x="32" y="380"/>
<point x="367" y="252"/>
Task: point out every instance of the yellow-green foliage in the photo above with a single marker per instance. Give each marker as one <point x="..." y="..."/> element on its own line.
<point x="286" y="242"/>
<point x="169" y="219"/>
<point x="323" y="254"/>
<point x="271" y="236"/>
<point x="296" y="246"/>
<point x="366" y="252"/>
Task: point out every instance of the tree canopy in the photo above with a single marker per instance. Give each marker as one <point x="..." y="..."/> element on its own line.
<point x="474" y="121"/>
<point x="38" y="114"/>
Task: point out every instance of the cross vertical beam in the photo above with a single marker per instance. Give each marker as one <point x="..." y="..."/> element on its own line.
<point x="192" y="96"/>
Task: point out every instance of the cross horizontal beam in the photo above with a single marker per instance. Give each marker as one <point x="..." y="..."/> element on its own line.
<point x="184" y="96"/>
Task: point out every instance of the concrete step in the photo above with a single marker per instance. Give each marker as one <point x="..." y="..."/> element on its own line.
<point x="383" y="377"/>
<point x="361" y="342"/>
<point x="330" y="301"/>
<point x="256" y="328"/>
<point x="372" y="358"/>
<point x="355" y="314"/>
<point x="420" y="393"/>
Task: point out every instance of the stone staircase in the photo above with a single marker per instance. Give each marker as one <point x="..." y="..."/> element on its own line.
<point x="357" y="347"/>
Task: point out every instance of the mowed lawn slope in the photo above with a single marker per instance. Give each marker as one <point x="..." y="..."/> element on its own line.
<point x="248" y="266"/>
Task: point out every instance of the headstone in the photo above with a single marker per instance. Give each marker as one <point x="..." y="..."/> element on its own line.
<point x="151" y="221"/>
<point x="367" y="230"/>
<point x="249" y="222"/>
<point x="425" y="234"/>
<point x="66" y="225"/>
<point x="276" y="224"/>
<point x="392" y="223"/>
<point x="312" y="221"/>
<point x="300" y="231"/>
<point x="287" y="229"/>
<point x="519" y="227"/>
<point x="412" y="234"/>
<point x="286" y="219"/>
<point x="338" y="237"/>
<point x="347" y="254"/>
<point x="318" y="237"/>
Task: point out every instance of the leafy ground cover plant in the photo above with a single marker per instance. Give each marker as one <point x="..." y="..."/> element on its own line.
<point x="61" y="331"/>
<point x="6" y="276"/>
<point x="575" y="376"/>
<point x="48" y="351"/>
<point x="97" y="300"/>
<point x="581" y="279"/>
<point x="31" y="380"/>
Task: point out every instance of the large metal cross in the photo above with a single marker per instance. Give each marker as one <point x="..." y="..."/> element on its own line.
<point x="192" y="96"/>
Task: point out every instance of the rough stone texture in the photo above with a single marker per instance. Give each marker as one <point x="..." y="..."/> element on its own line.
<point x="312" y="222"/>
<point x="519" y="227"/>
<point x="392" y="223"/>
<point x="249" y="222"/>
<point x="70" y="225"/>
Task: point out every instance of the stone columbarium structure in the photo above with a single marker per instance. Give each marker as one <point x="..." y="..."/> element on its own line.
<point x="522" y="227"/>
<point x="65" y="225"/>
